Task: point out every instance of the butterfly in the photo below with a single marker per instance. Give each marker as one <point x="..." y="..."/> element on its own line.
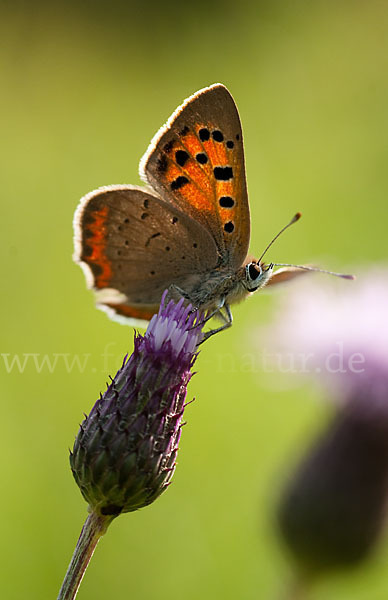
<point x="187" y="230"/>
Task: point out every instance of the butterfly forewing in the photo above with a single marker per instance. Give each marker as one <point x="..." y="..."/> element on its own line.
<point x="196" y="162"/>
<point x="134" y="245"/>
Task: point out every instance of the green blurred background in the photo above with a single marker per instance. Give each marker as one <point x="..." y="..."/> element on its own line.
<point x="83" y="88"/>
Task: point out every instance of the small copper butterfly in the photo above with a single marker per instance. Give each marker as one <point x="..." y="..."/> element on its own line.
<point x="188" y="230"/>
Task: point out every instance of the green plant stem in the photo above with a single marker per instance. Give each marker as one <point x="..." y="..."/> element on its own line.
<point x="94" y="527"/>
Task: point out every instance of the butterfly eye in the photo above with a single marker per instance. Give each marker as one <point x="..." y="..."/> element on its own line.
<point x="254" y="271"/>
<point x="253" y="276"/>
<point x="257" y="275"/>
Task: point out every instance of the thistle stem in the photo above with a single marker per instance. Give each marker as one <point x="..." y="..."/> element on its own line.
<point x="94" y="527"/>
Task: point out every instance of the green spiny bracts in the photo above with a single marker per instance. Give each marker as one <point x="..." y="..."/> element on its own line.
<point x="125" y="451"/>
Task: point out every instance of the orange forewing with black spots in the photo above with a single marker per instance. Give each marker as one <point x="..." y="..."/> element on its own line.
<point x="196" y="160"/>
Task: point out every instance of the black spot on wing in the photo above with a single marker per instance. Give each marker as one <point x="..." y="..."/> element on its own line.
<point x="201" y="158"/>
<point x="179" y="182"/>
<point x="226" y="202"/>
<point x="230" y="144"/>
<point x="204" y="134"/>
<point x="223" y="173"/>
<point x="217" y="136"/>
<point x="229" y="227"/>
<point x="152" y="237"/>
<point x="181" y="157"/>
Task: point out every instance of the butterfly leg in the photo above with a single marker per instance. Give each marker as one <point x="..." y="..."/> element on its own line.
<point x="227" y="318"/>
<point x="214" y="312"/>
<point x="176" y="293"/>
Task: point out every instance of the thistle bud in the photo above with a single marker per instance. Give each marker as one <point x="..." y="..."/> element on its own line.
<point x="125" y="451"/>
<point x="333" y="509"/>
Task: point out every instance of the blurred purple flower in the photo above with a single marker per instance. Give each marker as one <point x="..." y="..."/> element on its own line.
<point x="124" y="454"/>
<point x="334" y="506"/>
<point x="337" y="333"/>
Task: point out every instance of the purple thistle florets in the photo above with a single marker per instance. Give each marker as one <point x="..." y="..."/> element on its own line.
<point x="124" y="453"/>
<point x="336" y="334"/>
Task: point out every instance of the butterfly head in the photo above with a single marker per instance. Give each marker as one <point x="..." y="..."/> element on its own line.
<point x="257" y="274"/>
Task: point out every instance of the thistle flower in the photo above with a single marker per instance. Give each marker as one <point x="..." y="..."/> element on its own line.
<point x="124" y="454"/>
<point x="333" y="508"/>
<point x="339" y="335"/>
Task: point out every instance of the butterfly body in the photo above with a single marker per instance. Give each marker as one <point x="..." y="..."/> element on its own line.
<point x="224" y="286"/>
<point x="187" y="230"/>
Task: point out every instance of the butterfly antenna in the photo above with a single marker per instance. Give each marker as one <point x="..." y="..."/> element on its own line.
<point x="294" y="219"/>
<point x="305" y="268"/>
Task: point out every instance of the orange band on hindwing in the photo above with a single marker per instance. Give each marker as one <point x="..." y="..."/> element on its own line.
<point x="132" y="312"/>
<point x="94" y="247"/>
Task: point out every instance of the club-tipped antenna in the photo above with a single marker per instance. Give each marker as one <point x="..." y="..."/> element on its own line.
<point x="294" y="219"/>
<point x="306" y="268"/>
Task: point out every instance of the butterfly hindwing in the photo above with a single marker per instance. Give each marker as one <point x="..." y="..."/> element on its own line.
<point x="133" y="245"/>
<point x="196" y="163"/>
